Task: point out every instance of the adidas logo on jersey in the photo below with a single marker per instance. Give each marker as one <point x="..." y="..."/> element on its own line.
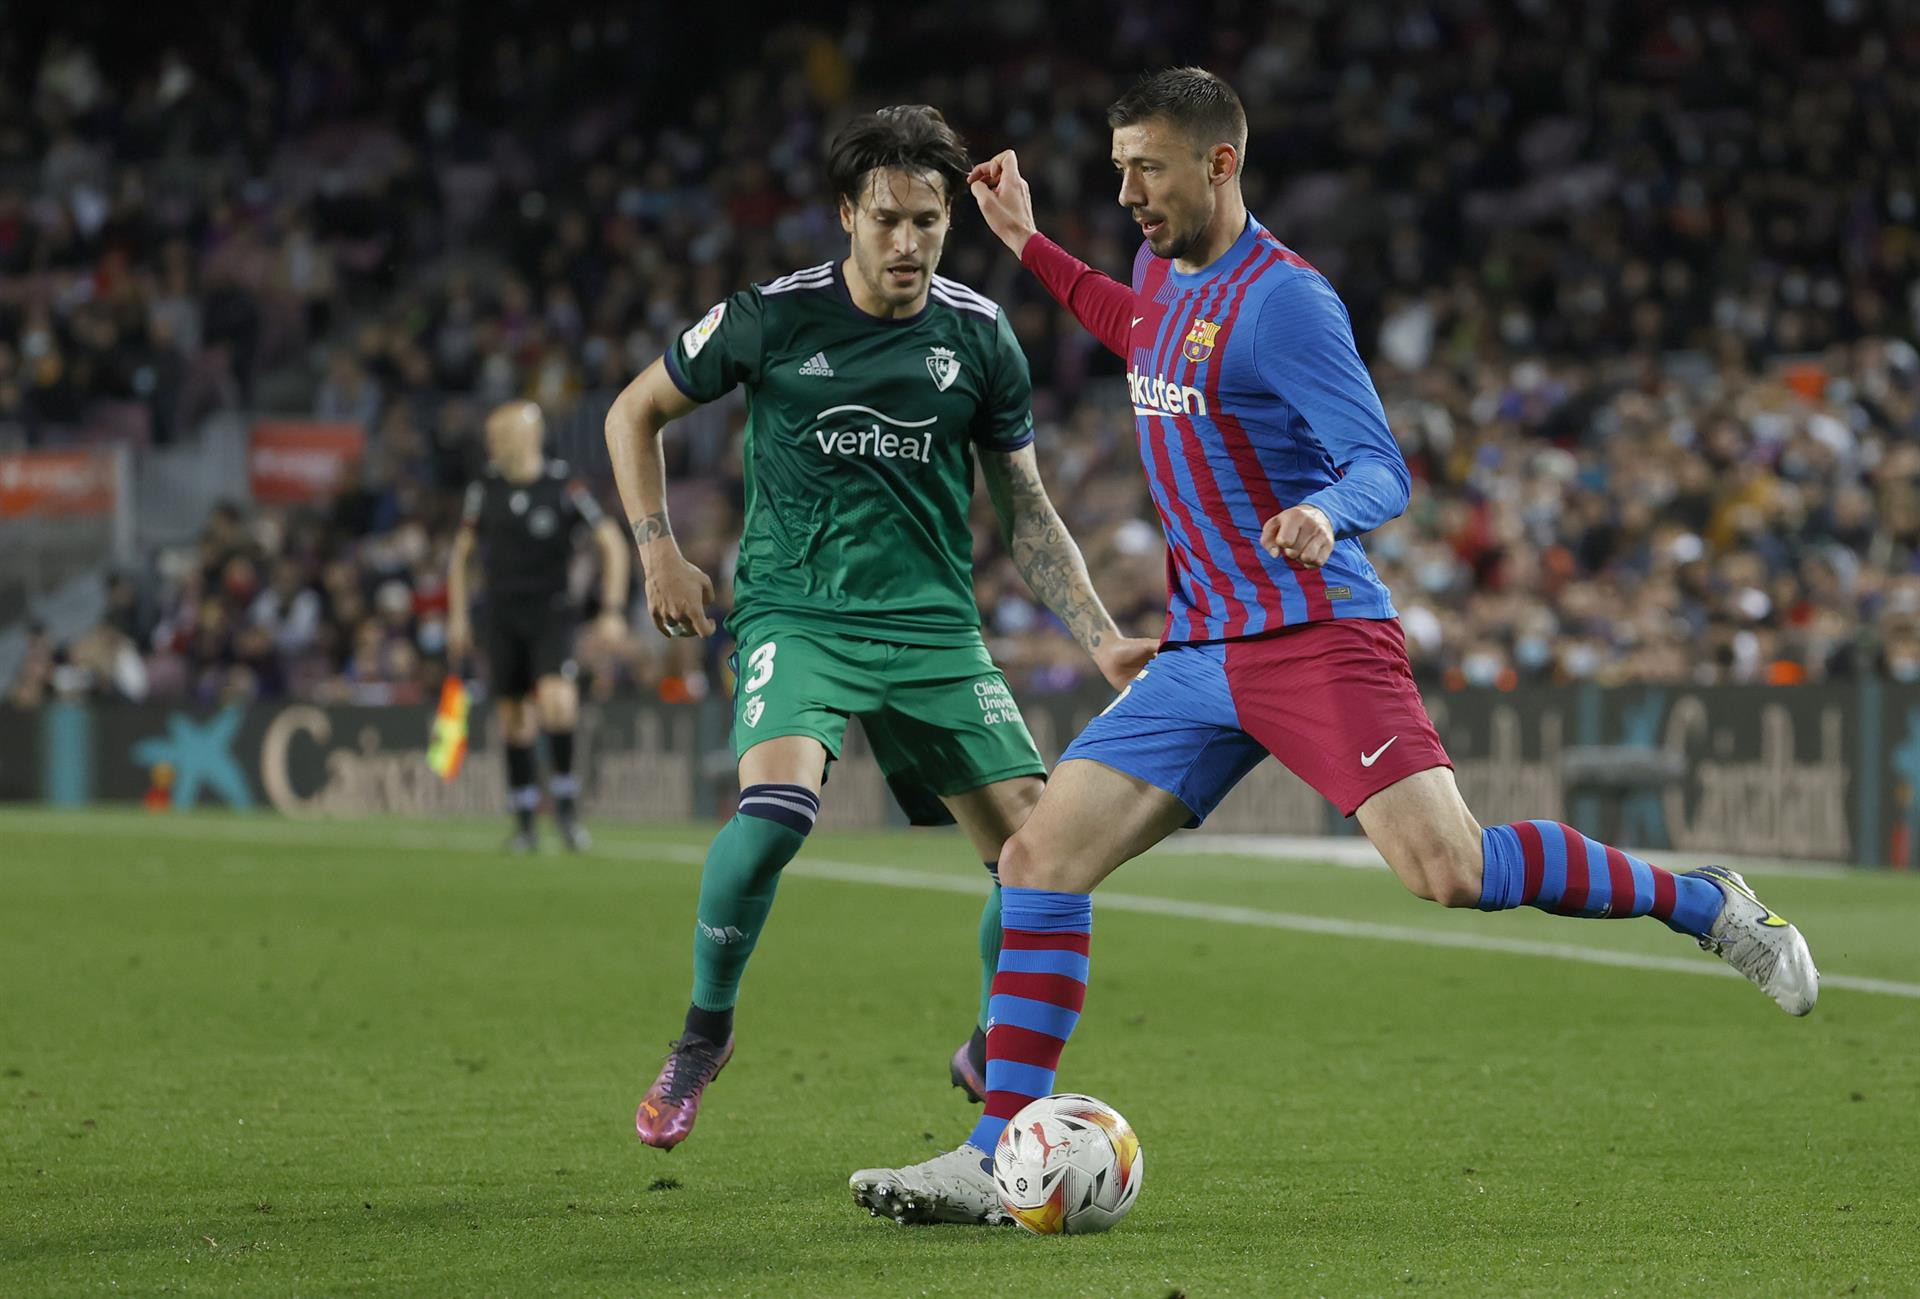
<point x="816" y="365"/>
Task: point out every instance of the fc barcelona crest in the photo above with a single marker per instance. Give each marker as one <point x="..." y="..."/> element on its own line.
<point x="944" y="366"/>
<point x="1199" y="345"/>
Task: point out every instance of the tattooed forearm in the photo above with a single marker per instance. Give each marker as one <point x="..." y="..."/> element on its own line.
<point x="1042" y="550"/>
<point x="1055" y="571"/>
<point x="651" y="528"/>
<point x="1048" y="559"/>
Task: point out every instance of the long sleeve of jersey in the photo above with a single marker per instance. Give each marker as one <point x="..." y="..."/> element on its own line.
<point x="1307" y="354"/>
<point x="1100" y="302"/>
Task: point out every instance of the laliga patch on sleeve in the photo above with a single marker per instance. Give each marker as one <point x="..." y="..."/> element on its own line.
<point x="696" y="338"/>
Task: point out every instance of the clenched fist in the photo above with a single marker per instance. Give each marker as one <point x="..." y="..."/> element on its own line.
<point x="1004" y="199"/>
<point x="1300" y="533"/>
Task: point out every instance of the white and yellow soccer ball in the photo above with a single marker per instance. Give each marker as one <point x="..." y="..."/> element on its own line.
<point x="1068" y="1165"/>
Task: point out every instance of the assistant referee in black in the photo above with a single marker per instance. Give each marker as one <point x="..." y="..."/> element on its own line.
<point x="524" y="516"/>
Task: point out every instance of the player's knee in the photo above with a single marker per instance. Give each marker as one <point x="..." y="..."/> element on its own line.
<point x="559" y="705"/>
<point x="1027" y="863"/>
<point x="1021" y="867"/>
<point x="517" y="725"/>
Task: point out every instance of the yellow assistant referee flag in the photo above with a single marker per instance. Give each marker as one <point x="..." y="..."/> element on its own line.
<point x="447" y="748"/>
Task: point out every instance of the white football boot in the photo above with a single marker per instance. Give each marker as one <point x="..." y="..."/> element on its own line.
<point x="1760" y="944"/>
<point x="953" y="1187"/>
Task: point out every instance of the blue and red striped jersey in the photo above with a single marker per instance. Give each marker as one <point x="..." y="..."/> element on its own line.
<point x="1249" y="396"/>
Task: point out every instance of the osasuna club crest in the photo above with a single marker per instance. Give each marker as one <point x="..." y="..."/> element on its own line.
<point x="944" y="366"/>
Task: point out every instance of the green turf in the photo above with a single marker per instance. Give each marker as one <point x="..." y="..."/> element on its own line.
<point x="255" y="1057"/>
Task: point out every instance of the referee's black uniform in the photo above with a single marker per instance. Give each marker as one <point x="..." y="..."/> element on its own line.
<point x="525" y="534"/>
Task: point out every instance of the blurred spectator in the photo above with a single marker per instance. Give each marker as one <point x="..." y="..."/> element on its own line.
<point x="1640" y="284"/>
<point x="32" y="682"/>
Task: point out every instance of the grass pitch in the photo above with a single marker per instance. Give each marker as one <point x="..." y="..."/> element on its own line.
<point x="253" y="1057"/>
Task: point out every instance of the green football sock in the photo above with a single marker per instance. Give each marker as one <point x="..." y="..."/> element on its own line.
<point x="989" y="949"/>
<point x="737" y="886"/>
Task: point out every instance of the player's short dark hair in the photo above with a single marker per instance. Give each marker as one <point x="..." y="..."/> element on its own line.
<point x="913" y="136"/>
<point x="1193" y="99"/>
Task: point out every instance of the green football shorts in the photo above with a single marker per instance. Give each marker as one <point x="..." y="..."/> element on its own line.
<point x="940" y="719"/>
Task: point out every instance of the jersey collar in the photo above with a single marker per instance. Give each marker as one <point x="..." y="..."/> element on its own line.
<point x="1224" y="264"/>
<point x="884" y="322"/>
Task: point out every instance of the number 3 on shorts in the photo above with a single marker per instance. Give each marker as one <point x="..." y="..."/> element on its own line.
<point x="761" y="663"/>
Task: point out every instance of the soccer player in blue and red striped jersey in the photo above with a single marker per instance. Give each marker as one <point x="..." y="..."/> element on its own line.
<point x="1268" y="455"/>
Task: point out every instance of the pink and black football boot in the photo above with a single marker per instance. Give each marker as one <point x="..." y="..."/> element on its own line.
<point x="968" y="1068"/>
<point x="667" y="1112"/>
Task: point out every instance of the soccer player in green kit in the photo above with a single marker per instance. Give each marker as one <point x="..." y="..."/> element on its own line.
<point x="872" y="386"/>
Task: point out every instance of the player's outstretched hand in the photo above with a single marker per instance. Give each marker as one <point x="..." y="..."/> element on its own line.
<point x="1121" y="659"/>
<point x="1300" y="533"/>
<point x="678" y="594"/>
<point x="1004" y="199"/>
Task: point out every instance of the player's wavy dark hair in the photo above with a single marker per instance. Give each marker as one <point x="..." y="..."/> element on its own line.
<point x="914" y="136"/>
<point x="1193" y="99"/>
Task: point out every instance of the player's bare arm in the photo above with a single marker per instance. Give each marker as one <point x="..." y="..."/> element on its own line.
<point x="459" y="620"/>
<point x="678" y="593"/>
<point x="1054" y="569"/>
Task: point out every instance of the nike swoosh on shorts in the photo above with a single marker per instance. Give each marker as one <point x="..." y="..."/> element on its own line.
<point x="1368" y="759"/>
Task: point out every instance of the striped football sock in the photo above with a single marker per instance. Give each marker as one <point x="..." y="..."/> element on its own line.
<point x="1038" y="991"/>
<point x="1554" y="867"/>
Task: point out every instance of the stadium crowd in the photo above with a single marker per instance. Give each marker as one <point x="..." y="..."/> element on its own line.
<point x="1639" y="284"/>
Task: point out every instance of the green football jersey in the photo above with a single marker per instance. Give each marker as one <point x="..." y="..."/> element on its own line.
<point x="859" y="449"/>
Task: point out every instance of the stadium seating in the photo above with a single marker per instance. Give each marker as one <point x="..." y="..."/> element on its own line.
<point x="1640" y="305"/>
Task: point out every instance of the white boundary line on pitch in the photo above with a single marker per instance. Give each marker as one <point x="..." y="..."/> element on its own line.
<point x="894" y="877"/>
<point x="1351" y="852"/>
<point x="321" y="834"/>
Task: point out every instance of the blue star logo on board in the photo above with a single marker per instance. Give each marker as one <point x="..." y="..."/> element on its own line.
<point x="1199" y="344"/>
<point x="200" y="754"/>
